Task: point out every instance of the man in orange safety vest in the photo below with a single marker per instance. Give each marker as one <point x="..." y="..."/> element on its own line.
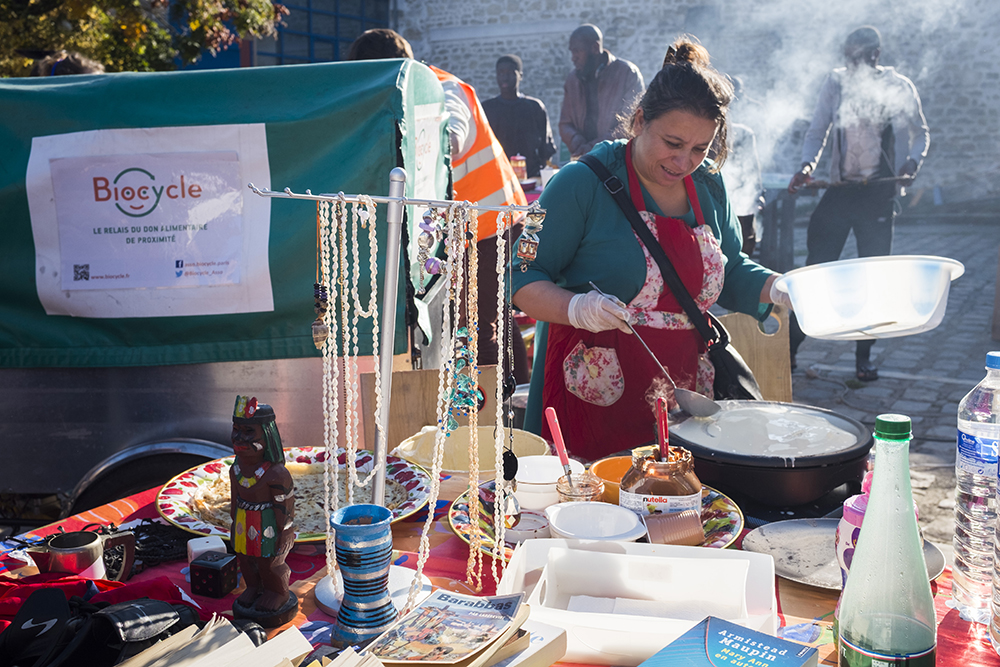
<point x="481" y="173"/>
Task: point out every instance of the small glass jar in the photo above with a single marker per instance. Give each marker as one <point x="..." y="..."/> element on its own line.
<point x="586" y="486"/>
<point x="520" y="166"/>
<point x="661" y="487"/>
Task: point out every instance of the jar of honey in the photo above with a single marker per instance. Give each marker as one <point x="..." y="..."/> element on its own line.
<point x="661" y="487"/>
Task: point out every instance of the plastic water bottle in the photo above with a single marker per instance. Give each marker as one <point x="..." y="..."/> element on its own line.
<point x="887" y="610"/>
<point x="975" y="502"/>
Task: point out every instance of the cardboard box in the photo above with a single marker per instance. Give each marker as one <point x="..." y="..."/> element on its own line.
<point x="626" y="575"/>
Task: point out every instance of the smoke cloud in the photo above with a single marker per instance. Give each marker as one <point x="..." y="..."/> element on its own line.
<point x="782" y="50"/>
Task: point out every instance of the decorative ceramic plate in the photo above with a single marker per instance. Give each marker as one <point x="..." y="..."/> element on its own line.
<point x="805" y="551"/>
<point x="175" y="500"/>
<point x="722" y="519"/>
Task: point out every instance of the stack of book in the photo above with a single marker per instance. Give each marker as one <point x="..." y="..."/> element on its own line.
<point x="347" y="658"/>
<point x="465" y="631"/>
<point x="219" y="644"/>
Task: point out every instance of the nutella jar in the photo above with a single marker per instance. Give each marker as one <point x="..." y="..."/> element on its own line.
<point x="661" y="487"/>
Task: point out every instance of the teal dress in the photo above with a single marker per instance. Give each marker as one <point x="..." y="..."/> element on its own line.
<point x="586" y="237"/>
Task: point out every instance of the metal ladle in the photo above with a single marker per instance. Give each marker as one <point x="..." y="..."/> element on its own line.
<point x="691" y="402"/>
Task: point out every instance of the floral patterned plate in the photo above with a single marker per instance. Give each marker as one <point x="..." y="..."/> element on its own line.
<point x="173" y="502"/>
<point x="720" y="516"/>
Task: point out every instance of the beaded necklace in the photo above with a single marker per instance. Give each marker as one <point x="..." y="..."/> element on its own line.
<point x="503" y="488"/>
<point x="469" y="230"/>
<point x="247" y="482"/>
<point x="339" y="267"/>
<point x="330" y="275"/>
<point x="449" y="268"/>
<point x="363" y="212"/>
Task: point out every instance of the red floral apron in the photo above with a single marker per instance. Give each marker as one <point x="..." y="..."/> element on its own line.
<point x="598" y="382"/>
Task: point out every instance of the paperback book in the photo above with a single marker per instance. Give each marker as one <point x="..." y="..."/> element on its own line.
<point x="450" y="629"/>
<point x="718" y="643"/>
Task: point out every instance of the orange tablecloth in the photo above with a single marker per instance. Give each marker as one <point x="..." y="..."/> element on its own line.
<point x="805" y="612"/>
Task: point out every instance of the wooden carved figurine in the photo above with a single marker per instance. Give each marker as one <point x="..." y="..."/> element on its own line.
<point x="262" y="507"/>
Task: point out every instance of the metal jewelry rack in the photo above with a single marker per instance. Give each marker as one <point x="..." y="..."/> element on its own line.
<point x="328" y="593"/>
<point x="394" y="217"/>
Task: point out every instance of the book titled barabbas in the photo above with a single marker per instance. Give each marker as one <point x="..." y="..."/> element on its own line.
<point x="718" y="643"/>
<point x="449" y="628"/>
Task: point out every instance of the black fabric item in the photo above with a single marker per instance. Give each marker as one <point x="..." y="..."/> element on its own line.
<point x="733" y="378"/>
<point x="139" y="620"/>
<point x="38" y="624"/>
<point x="99" y="635"/>
<point x="252" y="629"/>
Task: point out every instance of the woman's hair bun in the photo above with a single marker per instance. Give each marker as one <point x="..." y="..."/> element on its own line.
<point x="686" y="50"/>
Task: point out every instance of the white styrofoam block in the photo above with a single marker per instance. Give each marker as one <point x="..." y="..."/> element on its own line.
<point x="201" y="545"/>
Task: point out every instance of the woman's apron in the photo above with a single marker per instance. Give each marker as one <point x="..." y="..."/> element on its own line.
<point x="599" y="383"/>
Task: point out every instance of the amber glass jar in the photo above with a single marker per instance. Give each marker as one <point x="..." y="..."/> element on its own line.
<point x="520" y="166"/>
<point x="653" y="487"/>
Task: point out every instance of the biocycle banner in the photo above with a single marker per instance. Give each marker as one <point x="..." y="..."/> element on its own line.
<point x="148" y="221"/>
<point x="131" y="237"/>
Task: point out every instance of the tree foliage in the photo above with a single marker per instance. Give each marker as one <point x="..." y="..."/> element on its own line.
<point x="129" y="35"/>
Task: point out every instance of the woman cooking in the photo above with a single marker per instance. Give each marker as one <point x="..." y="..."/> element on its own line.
<point x="590" y="368"/>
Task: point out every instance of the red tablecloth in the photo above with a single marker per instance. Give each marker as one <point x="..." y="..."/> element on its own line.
<point x="805" y="612"/>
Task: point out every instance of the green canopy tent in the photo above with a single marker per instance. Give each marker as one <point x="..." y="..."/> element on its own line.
<point x="136" y="171"/>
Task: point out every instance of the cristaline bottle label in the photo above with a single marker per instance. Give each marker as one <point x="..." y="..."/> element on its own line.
<point x="852" y="655"/>
<point x="643" y="504"/>
<point x="977" y="455"/>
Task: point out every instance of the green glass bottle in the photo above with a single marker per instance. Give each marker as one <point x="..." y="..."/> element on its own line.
<point x="887" y="609"/>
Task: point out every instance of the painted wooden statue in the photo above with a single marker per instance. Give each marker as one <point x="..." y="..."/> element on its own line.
<point x="262" y="507"/>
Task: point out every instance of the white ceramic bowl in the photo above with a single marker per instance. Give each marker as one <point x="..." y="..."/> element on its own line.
<point x="871" y="297"/>
<point x="536" y="480"/>
<point x="594" y="521"/>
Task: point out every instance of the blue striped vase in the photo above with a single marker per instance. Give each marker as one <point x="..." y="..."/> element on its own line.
<point x="364" y="551"/>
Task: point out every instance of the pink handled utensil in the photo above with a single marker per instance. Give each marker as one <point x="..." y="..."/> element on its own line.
<point x="557" y="438"/>
<point x="662" y="425"/>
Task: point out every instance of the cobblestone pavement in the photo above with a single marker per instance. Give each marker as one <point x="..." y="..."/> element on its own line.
<point x="924" y="375"/>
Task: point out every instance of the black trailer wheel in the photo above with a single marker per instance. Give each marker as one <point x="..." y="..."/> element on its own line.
<point x="133" y="477"/>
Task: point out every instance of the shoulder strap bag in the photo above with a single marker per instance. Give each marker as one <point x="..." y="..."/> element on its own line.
<point x="733" y="378"/>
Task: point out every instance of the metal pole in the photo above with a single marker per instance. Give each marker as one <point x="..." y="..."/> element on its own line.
<point x="394" y="217"/>
<point x="432" y="203"/>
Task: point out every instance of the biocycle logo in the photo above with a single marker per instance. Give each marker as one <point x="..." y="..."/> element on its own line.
<point x="137" y="189"/>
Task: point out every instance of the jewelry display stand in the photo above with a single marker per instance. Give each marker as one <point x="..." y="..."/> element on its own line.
<point x="329" y="591"/>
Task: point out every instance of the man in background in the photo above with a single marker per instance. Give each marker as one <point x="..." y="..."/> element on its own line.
<point x="520" y="122"/>
<point x="599" y="91"/>
<point x="879" y="137"/>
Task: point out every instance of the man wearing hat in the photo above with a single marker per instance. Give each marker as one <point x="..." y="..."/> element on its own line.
<point x="872" y="118"/>
<point x="262" y="508"/>
<point x="521" y="123"/>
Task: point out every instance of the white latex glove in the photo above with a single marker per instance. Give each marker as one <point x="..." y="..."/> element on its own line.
<point x="780" y="297"/>
<point x="596" y="313"/>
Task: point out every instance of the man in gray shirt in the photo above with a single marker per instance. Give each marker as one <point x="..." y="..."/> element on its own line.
<point x="879" y="140"/>
<point x="599" y="90"/>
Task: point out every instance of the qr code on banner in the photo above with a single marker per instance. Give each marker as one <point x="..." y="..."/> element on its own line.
<point x="81" y="272"/>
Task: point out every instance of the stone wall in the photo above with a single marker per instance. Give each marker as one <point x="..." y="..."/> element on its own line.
<point x="781" y="49"/>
